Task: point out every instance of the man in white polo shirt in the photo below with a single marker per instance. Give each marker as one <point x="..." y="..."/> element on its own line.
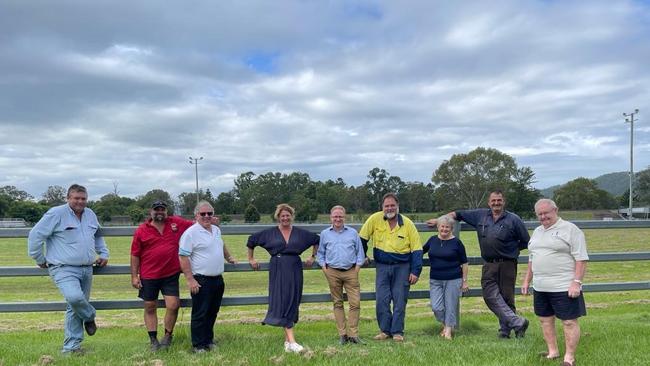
<point x="202" y="253"/>
<point x="557" y="264"/>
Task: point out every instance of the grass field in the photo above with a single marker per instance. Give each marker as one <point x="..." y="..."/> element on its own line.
<point x="616" y="329"/>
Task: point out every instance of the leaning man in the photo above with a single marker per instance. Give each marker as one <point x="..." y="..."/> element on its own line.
<point x="340" y="255"/>
<point x="202" y="253"/>
<point x="68" y="233"/>
<point x="557" y="264"/>
<point x="397" y="251"/>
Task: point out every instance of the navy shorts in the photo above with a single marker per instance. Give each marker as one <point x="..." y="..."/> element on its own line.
<point x="150" y="288"/>
<point x="559" y="304"/>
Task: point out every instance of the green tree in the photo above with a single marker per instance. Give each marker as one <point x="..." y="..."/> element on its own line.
<point x="187" y="200"/>
<point x="15" y="194"/>
<point x="251" y="214"/>
<point x="583" y="194"/>
<point x="381" y="182"/>
<point x="110" y="205"/>
<point x="521" y="196"/>
<point x="28" y="210"/>
<point x="306" y="208"/>
<point x="225" y="203"/>
<point x="136" y="213"/>
<point x="465" y="180"/>
<point x="150" y="197"/>
<point x="417" y="197"/>
<point x="642" y="189"/>
<point x="5" y="204"/>
<point x="54" y="196"/>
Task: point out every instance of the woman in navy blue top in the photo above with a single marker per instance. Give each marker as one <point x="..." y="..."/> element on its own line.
<point x="448" y="276"/>
<point x="284" y="243"/>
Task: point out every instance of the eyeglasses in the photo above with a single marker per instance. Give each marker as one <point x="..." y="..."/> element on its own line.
<point x="204" y="214"/>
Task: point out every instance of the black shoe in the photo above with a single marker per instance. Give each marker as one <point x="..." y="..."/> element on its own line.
<point x="503" y="335"/>
<point x="91" y="327"/>
<point x="166" y="341"/>
<point x="521" y="331"/>
<point x="355" y="340"/>
<point x="343" y="339"/>
<point x="155" y="345"/>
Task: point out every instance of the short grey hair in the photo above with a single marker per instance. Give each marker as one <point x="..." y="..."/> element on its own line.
<point x="338" y="207"/>
<point x="547" y="201"/>
<point x="446" y="219"/>
<point x="201" y="204"/>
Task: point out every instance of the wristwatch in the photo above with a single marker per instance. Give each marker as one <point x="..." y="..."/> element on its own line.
<point x="578" y="281"/>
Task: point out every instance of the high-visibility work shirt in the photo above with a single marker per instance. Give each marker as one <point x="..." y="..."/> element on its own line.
<point x="397" y="245"/>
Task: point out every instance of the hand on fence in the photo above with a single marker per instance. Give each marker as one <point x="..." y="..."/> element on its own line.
<point x="432" y="222"/>
<point x="254" y="264"/>
<point x="464" y="287"/>
<point x="101" y="262"/>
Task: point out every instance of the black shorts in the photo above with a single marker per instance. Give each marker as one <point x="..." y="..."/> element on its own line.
<point x="559" y="304"/>
<point x="150" y="288"/>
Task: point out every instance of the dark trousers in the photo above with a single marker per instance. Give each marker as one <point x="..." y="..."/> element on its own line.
<point x="205" y="307"/>
<point x="392" y="285"/>
<point x="498" y="285"/>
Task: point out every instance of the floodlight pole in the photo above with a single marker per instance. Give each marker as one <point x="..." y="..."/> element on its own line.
<point x="195" y="162"/>
<point x="629" y="118"/>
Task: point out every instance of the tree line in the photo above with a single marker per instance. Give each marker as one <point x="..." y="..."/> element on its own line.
<point x="463" y="181"/>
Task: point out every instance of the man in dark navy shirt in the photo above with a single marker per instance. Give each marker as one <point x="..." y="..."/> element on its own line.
<point x="501" y="235"/>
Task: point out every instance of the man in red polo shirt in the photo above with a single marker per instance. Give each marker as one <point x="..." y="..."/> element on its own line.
<point x="155" y="268"/>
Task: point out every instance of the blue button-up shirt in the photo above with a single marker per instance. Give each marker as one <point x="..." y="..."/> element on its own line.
<point x="340" y="249"/>
<point x="67" y="239"/>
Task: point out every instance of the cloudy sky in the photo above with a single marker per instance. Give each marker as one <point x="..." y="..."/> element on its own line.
<point x="104" y="92"/>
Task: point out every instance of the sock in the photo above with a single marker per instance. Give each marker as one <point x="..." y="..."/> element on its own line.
<point x="153" y="334"/>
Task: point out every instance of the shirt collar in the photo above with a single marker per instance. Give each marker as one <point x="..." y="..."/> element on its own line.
<point x="345" y="227"/>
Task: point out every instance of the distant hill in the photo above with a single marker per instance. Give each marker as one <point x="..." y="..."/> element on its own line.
<point x="614" y="183"/>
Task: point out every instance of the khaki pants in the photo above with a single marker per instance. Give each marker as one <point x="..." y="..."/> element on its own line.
<point x="349" y="280"/>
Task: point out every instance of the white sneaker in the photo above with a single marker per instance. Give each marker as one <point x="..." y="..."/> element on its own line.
<point x="295" y="347"/>
<point x="286" y="346"/>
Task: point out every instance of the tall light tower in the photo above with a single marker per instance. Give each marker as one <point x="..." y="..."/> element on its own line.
<point x="629" y="118"/>
<point x="195" y="162"/>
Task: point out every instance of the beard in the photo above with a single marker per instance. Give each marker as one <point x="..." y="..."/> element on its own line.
<point x="390" y="215"/>
<point x="159" y="217"/>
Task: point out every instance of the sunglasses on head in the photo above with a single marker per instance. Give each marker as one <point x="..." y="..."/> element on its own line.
<point x="204" y="214"/>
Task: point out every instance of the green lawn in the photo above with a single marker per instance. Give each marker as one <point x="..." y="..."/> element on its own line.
<point x="615" y="330"/>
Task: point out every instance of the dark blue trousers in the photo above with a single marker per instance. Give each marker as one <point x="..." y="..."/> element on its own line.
<point x="392" y="285"/>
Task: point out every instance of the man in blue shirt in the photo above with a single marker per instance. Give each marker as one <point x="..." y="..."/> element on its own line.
<point x="501" y="235"/>
<point x="68" y="233"/>
<point x="340" y="255"/>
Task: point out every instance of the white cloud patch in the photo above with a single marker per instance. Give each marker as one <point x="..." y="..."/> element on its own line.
<point x="322" y="88"/>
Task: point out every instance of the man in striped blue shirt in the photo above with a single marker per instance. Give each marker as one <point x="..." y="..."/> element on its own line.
<point x="340" y="255"/>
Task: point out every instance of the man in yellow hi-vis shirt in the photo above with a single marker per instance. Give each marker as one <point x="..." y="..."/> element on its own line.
<point x="397" y="252"/>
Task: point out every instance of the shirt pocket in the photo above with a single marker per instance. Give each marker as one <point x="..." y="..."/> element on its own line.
<point x="71" y="234"/>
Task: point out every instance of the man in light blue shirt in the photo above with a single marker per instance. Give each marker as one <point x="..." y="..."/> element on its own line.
<point x="68" y="233"/>
<point x="340" y="255"/>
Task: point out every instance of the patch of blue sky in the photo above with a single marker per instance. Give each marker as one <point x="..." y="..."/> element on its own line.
<point x="262" y="62"/>
<point x="363" y="10"/>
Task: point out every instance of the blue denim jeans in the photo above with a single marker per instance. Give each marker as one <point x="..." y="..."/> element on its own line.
<point x="392" y="284"/>
<point x="74" y="283"/>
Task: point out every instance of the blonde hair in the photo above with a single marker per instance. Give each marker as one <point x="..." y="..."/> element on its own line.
<point x="283" y="207"/>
